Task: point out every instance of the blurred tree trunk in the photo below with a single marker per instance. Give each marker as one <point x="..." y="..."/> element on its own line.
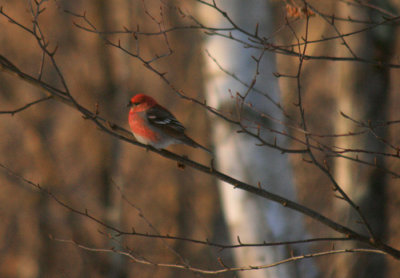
<point x="83" y="163"/>
<point x="109" y="150"/>
<point x="249" y="217"/>
<point x="362" y="94"/>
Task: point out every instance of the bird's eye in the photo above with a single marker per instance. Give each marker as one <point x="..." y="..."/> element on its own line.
<point x="131" y="104"/>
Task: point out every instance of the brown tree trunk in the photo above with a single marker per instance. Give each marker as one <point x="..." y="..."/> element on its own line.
<point x="362" y="93"/>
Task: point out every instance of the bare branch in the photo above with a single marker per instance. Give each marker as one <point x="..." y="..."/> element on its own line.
<point x="26" y="106"/>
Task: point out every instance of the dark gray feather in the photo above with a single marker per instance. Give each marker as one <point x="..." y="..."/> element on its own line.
<point x="160" y="117"/>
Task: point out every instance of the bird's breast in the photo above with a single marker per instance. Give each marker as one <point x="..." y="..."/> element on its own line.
<point x="142" y="129"/>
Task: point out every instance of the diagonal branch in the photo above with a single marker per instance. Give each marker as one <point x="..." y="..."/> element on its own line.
<point x="26" y="106"/>
<point x="121" y="133"/>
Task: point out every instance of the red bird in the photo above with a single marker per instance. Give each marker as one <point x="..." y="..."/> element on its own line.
<point x="154" y="125"/>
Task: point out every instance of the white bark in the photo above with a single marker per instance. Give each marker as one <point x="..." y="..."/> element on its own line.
<point x="251" y="218"/>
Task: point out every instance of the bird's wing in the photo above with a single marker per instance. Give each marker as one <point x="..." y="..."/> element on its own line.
<point x="162" y="118"/>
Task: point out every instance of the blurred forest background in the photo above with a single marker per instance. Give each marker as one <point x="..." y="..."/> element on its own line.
<point x="126" y="186"/>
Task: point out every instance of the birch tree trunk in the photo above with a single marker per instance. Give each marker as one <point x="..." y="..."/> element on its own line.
<point x="248" y="217"/>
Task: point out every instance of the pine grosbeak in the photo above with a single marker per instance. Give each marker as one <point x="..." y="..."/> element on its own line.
<point x="154" y="125"/>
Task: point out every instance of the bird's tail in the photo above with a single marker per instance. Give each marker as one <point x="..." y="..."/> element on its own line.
<point x="189" y="141"/>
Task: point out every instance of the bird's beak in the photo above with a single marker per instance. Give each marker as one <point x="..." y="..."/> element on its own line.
<point x="129" y="104"/>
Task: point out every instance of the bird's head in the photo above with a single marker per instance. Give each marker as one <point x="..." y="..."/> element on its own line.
<point x="141" y="101"/>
